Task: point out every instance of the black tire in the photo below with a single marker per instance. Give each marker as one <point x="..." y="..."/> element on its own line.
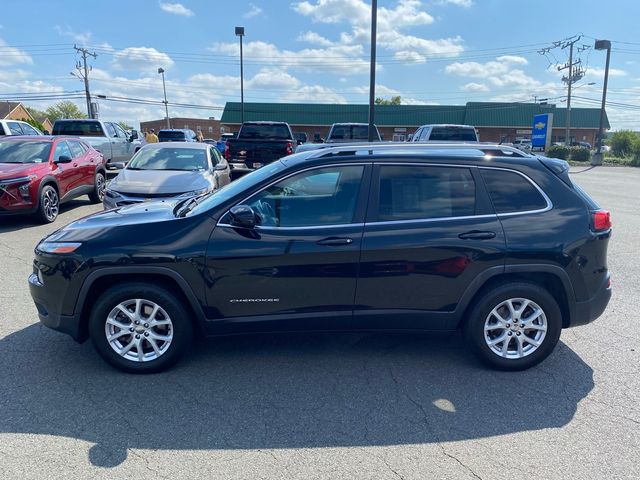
<point x="99" y="184"/>
<point x="474" y="327"/>
<point x="181" y="328"/>
<point x="49" y="204"/>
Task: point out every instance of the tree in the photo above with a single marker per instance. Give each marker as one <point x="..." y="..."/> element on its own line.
<point x="37" y="114"/>
<point x="64" y="109"/>
<point x="125" y="126"/>
<point x="624" y="142"/>
<point x="392" y="101"/>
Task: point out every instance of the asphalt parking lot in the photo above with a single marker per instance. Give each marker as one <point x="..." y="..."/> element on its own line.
<point x="326" y="406"/>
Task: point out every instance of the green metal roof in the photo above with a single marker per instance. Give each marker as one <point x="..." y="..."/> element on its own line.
<point x="478" y="114"/>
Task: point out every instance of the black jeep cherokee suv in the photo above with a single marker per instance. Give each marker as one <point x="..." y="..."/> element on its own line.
<point x="397" y="237"/>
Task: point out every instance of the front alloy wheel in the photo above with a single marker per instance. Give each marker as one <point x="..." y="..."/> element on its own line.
<point x="139" y="330"/>
<point x="140" y="327"/>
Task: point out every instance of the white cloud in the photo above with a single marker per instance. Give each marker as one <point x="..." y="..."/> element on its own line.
<point x="459" y="3"/>
<point x="475" y="87"/>
<point x="599" y="72"/>
<point x="13" y="56"/>
<point x="141" y="59"/>
<point x="254" y="11"/>
<point x="517" y="60"/>
<point x="176" y="9"/>
<point x="273" y="78"/>
<point x="80" y="37"/>
<point x="345" y="59"/>
<point x="315" y="39"/>
<point x="313" y="94"/>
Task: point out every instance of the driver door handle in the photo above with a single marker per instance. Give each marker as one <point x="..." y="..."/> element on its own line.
<point x="477" y="235"/>
<point x="334" y="241"/>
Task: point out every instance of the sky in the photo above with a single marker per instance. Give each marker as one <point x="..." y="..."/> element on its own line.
<point x="446" y="52"/>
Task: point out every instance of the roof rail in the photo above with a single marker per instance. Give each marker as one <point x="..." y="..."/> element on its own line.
<point x="371" y="148"/>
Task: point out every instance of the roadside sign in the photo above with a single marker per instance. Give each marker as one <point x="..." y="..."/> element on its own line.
<point x="541" y="131"/>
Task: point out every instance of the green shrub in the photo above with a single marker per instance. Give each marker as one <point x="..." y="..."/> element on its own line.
<point x="580" y="154"/>
<point x="624" y="142"/>
<point x="558" y="151"/>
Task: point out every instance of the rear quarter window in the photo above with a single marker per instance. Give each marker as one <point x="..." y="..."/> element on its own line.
<point x="511" y="192"/>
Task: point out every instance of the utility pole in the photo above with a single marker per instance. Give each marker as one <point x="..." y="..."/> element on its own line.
<point x="575" y="73"/>
<point x="372" y="75"/>
<point x="84" y="75"/>
<point x="240" y="33"/>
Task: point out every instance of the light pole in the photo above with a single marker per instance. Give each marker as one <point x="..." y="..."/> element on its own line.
<point x="602" y="45"/>
<point x="240" y="33"/>
<point x="166" y="104"/>
<point x="372" y="74"/>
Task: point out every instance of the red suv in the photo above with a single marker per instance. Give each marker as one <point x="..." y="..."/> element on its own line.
<point x="37" y="174"/>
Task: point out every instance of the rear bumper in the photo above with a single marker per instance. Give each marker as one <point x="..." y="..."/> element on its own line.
<point x="69" y="324"/>
<point x="587" y="312"/>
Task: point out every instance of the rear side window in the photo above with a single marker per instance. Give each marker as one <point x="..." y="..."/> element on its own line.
<point x="510" y="192"/>
<point x="409" y="192"/>
<point x="453" y="134"/>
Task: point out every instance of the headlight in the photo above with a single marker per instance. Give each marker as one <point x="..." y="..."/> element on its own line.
<point x="58" y="247"/>
<point x="111" y="193"/>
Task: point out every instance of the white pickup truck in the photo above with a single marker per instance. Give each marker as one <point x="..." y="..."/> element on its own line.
<point x="106" y="137"/>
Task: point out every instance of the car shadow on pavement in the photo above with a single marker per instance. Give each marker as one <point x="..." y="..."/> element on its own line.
<point x="281" y="391"/>
<point x="13" y="223"/>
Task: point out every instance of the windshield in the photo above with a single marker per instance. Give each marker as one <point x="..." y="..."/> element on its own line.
<point x="266" y="132"/>
<point x="188" y="159"/>
<point x="78" y="129"/>
<point x="167" y="136"/>
<point x="351" y="132"/>
<point x="453" y="134"/>
<point x="24" y="152"/>
<point x="237" y="187"/>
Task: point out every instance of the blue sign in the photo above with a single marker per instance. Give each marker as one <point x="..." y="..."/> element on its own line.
<point x="541" y="131"/>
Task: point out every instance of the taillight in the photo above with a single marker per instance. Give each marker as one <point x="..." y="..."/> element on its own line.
<point x="289" y="148"/>
<point x="227" y="152"/>
<point x="601" y="220"/>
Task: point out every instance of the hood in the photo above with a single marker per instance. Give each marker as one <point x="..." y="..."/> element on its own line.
<point x="94" y="226"/>
<point x="154" y="182"/>
<point x="13" y="170"/>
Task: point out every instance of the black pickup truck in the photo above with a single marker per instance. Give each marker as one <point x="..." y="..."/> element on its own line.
<point x="258" y="144"/>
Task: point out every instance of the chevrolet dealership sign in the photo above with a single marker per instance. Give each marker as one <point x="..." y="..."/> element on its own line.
<point x="542" y="128"/>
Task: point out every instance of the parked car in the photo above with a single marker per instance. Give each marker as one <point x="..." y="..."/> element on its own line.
<point x="522" y="144"/>
<point x="258" y="144"/>
<point x="17" y="127"/>
<point x="368" y="237"/>
<point x="167" y="170"/>
<point x="177" y="135"/>
<point x="39" y="173"/>
<point x="581" y="144"/>
<point x="446" y="133"/>
<point x="351" y="132"/>
<point x="107" y="137"/>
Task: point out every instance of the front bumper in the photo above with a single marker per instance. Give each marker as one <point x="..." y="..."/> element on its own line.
<point x="69" y="324"/>
<point x="588" y="311"/>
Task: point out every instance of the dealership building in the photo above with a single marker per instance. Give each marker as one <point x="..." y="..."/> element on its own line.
<point x="494" y="121"/>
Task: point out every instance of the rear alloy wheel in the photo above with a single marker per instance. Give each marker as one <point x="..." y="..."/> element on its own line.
<point x="514" y="326"/>
<point x="140" y="328"/>
<point x="100" y="183"/>
<point x="49" y="206"/>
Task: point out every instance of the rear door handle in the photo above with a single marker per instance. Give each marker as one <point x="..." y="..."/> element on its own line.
<point x="333" y="241"/>
<point x="477" y="235"/>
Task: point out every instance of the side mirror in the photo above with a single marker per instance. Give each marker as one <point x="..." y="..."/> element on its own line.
<point x="300" y="142"/>
<point x="220" y="166"/>
<point x="118" y="165"/>
<point x="63" y="159"/>
<point x="243" y="216"/>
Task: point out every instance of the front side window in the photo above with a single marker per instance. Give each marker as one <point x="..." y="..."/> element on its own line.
<point x="119" y="131"/>
<point x="323" y="196"/>
<point x="410" y="192"/>
<point x="76" y="149"/>
<point x="112" y="130"/>
<point x="215" y="156"/>
<point x="29" y="130"/>
<point x="62" y="150"/>
<point x="15" y="128"/>
<point x="510" y="192"/>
